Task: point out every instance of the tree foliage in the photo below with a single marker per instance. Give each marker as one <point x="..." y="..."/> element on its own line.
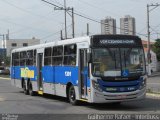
<point x="156" y="48"/>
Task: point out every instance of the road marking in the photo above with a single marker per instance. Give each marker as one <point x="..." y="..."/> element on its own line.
<point x="5" y="78"/>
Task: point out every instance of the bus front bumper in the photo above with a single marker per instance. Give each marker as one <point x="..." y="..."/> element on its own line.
<point x="107" y="97"/>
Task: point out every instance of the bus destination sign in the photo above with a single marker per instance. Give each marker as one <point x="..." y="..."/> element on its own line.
<point x="113" y="42"/>
<point x="116" y="43"/>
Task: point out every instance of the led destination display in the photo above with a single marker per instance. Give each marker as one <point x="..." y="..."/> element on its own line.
<point x="111" y="41"/>
<point x="116" y="42"/>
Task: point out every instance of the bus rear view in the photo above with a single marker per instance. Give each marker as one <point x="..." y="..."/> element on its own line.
<point x="118" y="70"/>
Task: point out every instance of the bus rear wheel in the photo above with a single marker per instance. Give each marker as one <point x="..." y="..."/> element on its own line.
<point x="72" y="95"/>
<point x="25" y="88"/>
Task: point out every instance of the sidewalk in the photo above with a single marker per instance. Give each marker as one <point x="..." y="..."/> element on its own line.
<point x="153" y="85"/>
<point x="154" y="74"/>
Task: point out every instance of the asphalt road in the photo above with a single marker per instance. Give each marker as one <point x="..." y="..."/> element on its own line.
<point x="13" y="101"/>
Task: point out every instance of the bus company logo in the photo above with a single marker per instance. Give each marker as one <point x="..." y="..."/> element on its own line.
<point x="116" y="41"/>
<point x="25" y="72"/>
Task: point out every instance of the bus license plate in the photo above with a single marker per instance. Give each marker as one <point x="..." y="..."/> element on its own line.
<point x="121" y="96"/>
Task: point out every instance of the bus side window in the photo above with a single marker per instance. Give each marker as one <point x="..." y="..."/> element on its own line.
<point x="70" y="54"/>
<point x="57" y="55"/>
<point x="23" y="56"/>
<point x="34" y="58"/>
<point x="29" y="60"/>
<point x="47" y="56"/>
<point x="15" y="59"/>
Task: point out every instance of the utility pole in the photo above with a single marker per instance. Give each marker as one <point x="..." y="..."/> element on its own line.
<point x="148" y="33"/>
<point x="73" y="34"/>
<point x="87" y="29"/>
<point x="61" y="35"/>
<point x="65" y="8"/>
<point x="7" y="35"/>
<point x="65" y="18"/>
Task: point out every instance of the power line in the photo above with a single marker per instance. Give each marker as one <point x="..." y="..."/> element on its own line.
<point x="96" y="7"/>
<point x="54" y="33"/>
<point x="26" y="11"/>
<point x="89" y="18"/>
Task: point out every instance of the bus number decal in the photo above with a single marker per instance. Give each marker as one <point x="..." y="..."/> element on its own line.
<point x="68" y="73"/>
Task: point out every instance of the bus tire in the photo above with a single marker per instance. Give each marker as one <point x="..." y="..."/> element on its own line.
<point x="25" y="88"/>
<point x="72" y="95"/>
<point x="30" y="89"/>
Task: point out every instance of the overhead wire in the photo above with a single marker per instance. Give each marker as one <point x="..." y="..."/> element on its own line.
<point x="89" y="18"/>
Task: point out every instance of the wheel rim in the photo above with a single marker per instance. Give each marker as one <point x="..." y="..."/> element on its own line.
<point x="72" y="95"/>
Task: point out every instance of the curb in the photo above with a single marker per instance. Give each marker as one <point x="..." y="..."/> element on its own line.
<point x="5" y="78"/>
<point x="153" y="95"/>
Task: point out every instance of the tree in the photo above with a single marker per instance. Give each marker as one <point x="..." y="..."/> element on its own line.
<point x="7" y="61"/>
<point x="156" y="48"/>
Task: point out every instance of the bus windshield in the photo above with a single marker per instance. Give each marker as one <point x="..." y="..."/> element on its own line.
<point x="118" y="62"/>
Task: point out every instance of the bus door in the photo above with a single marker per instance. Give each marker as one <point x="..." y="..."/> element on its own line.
<point x="39" y="71"/>
<point x="83" y="72"/>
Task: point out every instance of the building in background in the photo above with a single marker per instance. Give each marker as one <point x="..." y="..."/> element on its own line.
<point x="154" y="61"/>
<point x="11" y="44"/>
<point x="128" y="25"/>
<point x="108" y="26"/>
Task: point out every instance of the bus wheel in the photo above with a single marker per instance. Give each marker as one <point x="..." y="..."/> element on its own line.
<point x="25" y="89"/>
<point x="72" y="96"/>
<point x="30" y="89"/>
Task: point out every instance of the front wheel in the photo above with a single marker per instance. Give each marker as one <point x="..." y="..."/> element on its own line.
<point x="72" y="96"/>
<point x="31" y="92"/>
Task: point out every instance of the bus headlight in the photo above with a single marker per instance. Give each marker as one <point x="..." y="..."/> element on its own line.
<point x="96" y="86"/>
<point x="143" y="84"/>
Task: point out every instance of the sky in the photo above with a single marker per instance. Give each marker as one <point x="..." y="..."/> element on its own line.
<point x="34" y="18"/>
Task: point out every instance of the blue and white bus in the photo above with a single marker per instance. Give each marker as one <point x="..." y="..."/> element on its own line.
<point x="95" y="69"/>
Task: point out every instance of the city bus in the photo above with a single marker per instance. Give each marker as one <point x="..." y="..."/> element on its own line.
<point x="94" y="69"/>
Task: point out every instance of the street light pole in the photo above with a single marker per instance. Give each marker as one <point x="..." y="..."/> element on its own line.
<point x="148" y="33"/>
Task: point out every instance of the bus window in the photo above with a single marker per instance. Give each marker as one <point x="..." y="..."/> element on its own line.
<point x="70" y="54"/>
<point x="15" y="59"/>
<point x="57" y="55"/>
<point x="34" y="58"/>
<point x="23" y="56"/>
<point x="47" y="56"/>
<point x="29" y="60"/>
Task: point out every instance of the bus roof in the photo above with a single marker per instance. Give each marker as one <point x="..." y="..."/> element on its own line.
<point x="55" y="43"/>
<point x="75" y="40"/>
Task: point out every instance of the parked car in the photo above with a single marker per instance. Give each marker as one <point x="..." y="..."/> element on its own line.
<point x="4" y="71"/>
<point x="1" y="69"/>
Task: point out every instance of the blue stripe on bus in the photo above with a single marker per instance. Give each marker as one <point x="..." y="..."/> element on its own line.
<point x="16" y="72"/>
<point x="116" y="84"/>
<point x="124" y="86"/>
<point x="53" y="74"/>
